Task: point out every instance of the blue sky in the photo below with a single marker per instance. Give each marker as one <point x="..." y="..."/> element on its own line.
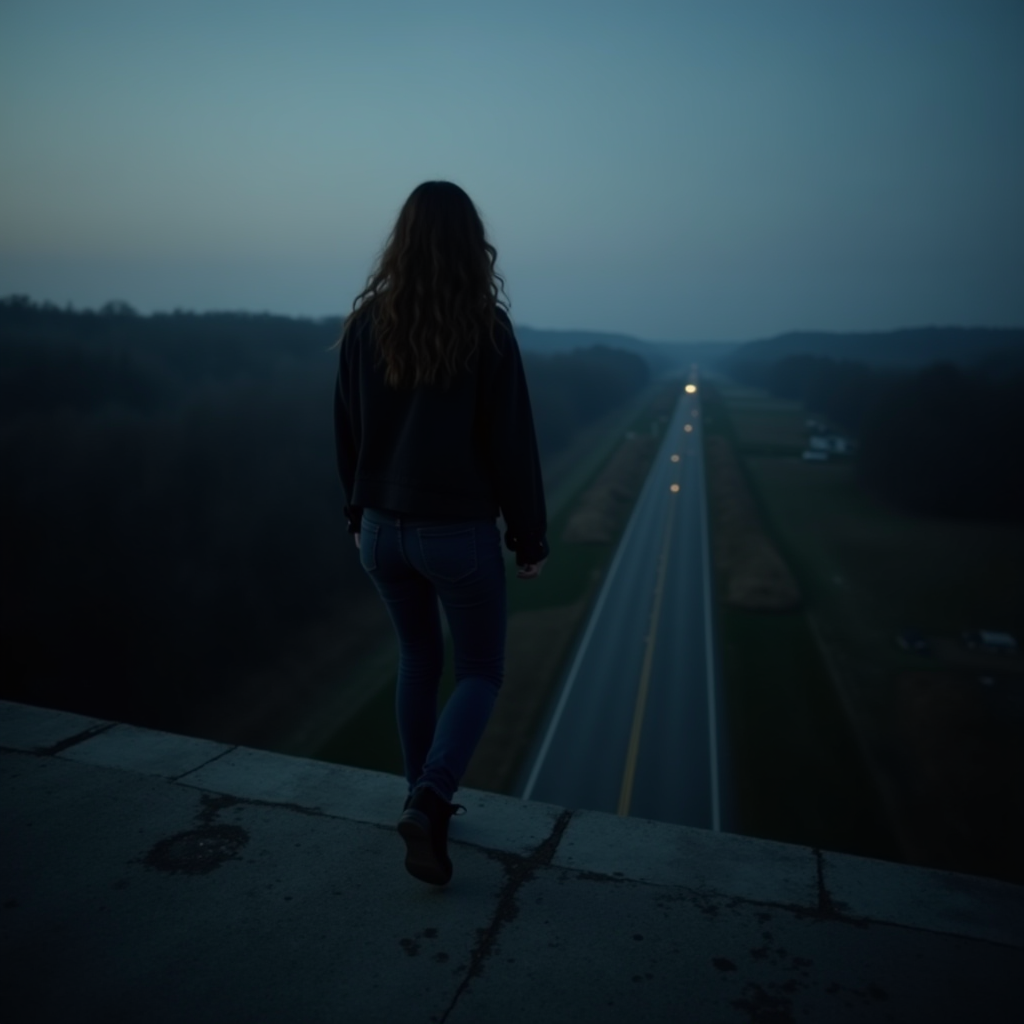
<point x="717" y="170"/>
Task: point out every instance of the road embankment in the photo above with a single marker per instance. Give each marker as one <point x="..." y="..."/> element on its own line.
<point x="799" y="771"/>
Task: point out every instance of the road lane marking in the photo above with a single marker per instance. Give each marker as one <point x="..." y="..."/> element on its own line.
<point x="626" y="793"/>
<point x="709" y="651"/>
<point x="606" y="588"/>
<point x="595" y="615"/>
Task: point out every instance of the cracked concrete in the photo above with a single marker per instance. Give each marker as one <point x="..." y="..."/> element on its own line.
<point x="519" y="871"/>
<point x="153" y="877"/>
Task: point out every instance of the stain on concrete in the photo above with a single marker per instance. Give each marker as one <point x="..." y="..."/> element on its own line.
<point x="211" y="806"/>
<point x="198" y="851"/>
<point x="857" y="998"/>
<point x="412" y="946"/>
<point x="764" y="1007"/>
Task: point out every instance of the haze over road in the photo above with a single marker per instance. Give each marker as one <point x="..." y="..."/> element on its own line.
<point x="636" y="727"/>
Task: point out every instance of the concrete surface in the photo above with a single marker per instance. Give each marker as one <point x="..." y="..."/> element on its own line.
<point x="151" y="877"/>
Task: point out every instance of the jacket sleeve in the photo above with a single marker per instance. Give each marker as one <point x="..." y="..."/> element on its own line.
<point x="346" y="437"/>
<point x="515" y="458"/>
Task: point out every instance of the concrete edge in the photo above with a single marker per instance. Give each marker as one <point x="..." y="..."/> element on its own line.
<point x="737" y="867"/>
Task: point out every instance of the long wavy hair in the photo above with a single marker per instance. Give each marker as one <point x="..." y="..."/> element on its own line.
<point x="434" y="291"/>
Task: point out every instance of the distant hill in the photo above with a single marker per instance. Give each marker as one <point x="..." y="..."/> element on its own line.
<point x="227" y="343"/>
<point x="908" y="348"/>
<point x="659" y="355"/>
<point x="540" y="340"/>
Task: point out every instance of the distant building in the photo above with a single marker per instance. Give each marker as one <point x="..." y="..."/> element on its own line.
<point x="835" y="444"/>
<point x="990" y="641"/>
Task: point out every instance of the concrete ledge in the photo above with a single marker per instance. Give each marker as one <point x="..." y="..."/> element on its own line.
<point x="155" y="877"/>
<point x="495" y="822"/>
<point x="936" y="901"/>
<point x="32" y="729"/>
<point x="630" y="849"/>
<point x="651" y="851"/>
<point x="145" y="750"/>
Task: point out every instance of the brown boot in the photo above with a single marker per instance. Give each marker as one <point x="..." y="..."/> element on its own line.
<point x="424" y="827"/>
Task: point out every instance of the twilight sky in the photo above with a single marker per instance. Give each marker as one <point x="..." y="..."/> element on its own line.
<point x="675" y="170"/>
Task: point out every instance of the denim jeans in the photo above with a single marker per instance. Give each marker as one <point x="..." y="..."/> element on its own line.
<point x="413" y="563"/>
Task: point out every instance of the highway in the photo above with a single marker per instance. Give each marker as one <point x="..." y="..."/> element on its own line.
<point x="636" y="728"/>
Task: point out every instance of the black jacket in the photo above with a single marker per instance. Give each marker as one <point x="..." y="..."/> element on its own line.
<point x="466" y="451"/>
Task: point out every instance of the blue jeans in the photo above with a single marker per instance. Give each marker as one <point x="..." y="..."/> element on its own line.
<point x="413" y="563"/>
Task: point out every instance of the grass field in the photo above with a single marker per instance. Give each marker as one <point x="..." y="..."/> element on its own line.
<point x="799" y="774"/>
<point x="925" y="753"/>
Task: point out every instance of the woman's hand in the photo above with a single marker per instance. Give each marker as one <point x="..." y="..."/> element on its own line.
<point x="356" y="535"/>
<point x="532" y="571"/>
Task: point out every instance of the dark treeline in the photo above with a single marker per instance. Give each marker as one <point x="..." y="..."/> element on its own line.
<point x="941" y="440"/>
<point x="909" y="348"/>
<point x="172" y="514"/>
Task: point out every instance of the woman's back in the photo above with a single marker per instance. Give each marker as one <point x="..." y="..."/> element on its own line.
<point x="435" y="438"/>
<point x="432" y="410"/>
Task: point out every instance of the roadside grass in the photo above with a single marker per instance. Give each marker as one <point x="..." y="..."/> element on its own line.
<point x="370" y="739"/>
<point x="798" y="773"/>
<point x="580" y="461"/>
<point x="871" y="562"/>
<point x="770" y="428"/>
<point x="931" y="738"/>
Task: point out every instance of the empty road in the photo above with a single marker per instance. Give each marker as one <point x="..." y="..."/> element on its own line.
<point x="636" y="727"/>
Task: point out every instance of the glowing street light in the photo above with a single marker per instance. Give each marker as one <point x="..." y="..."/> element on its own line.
<point x="690" y="389"/>
<point x="688" y="427"/>
<point x="674" y="488"/>
<point x="675" y="458"/>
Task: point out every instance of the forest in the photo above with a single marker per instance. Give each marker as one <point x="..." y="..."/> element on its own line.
<point x="172" y="513"/>
<point x="941" y="439"/>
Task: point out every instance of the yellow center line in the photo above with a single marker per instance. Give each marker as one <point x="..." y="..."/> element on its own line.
<point x="626" y="793"/>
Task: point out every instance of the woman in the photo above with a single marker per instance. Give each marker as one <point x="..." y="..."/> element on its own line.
<point x="435" y="437"/>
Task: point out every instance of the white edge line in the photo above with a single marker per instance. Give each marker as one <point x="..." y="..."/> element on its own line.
<point x="594" y="615"/>
<point x="709" y="651"/>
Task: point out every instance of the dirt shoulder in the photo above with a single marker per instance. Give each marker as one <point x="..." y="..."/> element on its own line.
<point x="538" y="645"/>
